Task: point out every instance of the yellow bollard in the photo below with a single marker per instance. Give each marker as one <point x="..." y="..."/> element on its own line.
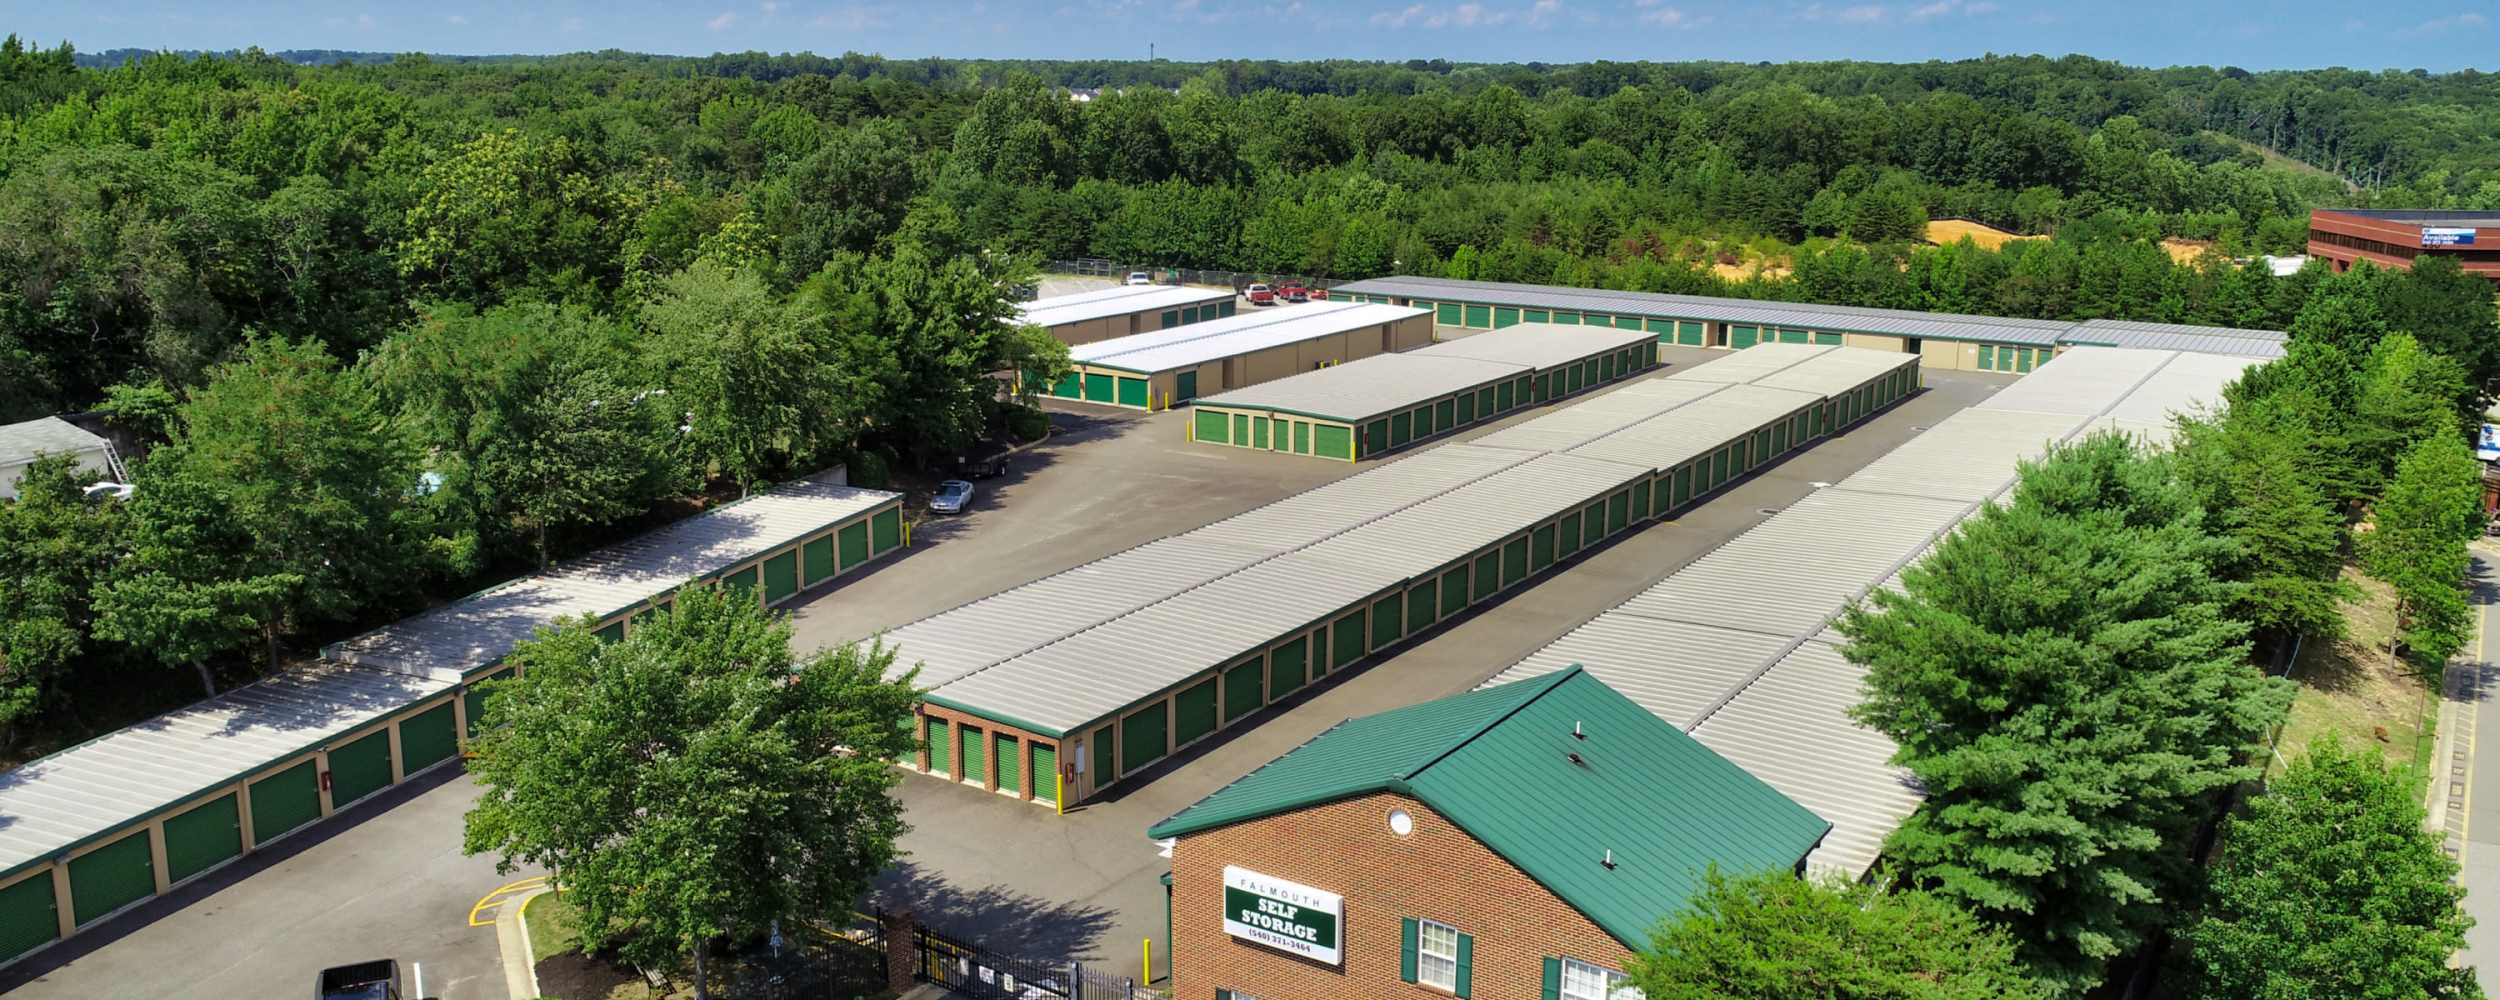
<point x="1146" y="965"/>
<point x="1059" y="801"/>
<point x="907" y="534"/>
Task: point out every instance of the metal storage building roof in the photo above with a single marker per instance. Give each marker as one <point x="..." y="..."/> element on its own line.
<point x="1538" y="345"/>
<point x="1968" y="456"/>
<point x="1675" y="669"/>
<point x="1120" y="300"/>
<point x="1755" y="363"/>
<point x="1215" y="340"/>
<point x="1669" y="439"/>
<point x="1439" y="531"/>
<point x="21" y="442"/>
<point x="474" y="632"/>
<point x="2185" y="386"/>
<point x="2089" y="380"/>
<point x="1792" y="729"/>
<point x="1757" y="581"/>
<point x="1836" y="370"/>
<point x="55" y="803"/>
<point x="1654" y="803"/>
<point x="2267" y="344"/>
<point x="1368" y="388"/>
<point x="1855" y="319"/>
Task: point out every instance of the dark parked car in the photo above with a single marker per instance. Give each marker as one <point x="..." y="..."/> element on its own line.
<point x="374" y="980"/>
<point x="985" y="466"/>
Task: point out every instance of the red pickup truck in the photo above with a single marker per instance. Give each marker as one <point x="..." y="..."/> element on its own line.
<point x="1292" y="291"/>
<point x="1260" y="295"/>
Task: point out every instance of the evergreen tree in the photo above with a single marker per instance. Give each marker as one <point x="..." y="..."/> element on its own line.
<point x="2417" y="544"/>
<point x="1774" y="936"/>
<point x="2246" y="468"/>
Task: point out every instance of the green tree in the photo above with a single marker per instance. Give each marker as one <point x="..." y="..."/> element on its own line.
<point x="55" y="549"/>
<point x="2064" y="679"/>
<point x="2405" y="393"/>
<point x="512" y="210"/>
<point x="2451" y="313"/>
<point x="845" y="196"/>
<point x="2329" y="886"/>
<point x="2246" y="466"/>
<point x="2417" y="544"/>
<point x="694" y="780"/>
<point x="180" y="595"/>
<point x="755" y="390"/>
<point x="1774" y="936"/>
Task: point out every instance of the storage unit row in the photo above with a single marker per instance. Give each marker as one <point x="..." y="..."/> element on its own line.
<point x="1153" y="371"/>
<point x="1123" y="311"/>
<point x="118" y="820"/>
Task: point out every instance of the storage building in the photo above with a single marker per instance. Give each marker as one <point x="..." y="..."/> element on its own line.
<point x="110" y="823"/>
<point x="1059" y="689"/>
<point x="1126" y="310"/>
<point x="1736" y="647"/>
<point x="1385" y="402"/>
<point x="1156" y="370"/>
<point x="1943" y="341"/>
<point x="22" y="443"/>
<point x="1519" y="841"/>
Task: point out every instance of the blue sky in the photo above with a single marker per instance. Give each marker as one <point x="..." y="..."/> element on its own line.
<point x="2431" y="34"/>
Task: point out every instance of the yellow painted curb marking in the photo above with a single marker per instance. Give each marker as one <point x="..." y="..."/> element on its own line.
<point x="497" y="897"/>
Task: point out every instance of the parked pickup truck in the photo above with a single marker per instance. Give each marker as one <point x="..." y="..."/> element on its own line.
<point x="374" y="980"/>
<point x="1260" y="295"/>
<point x="1293" y="291"/>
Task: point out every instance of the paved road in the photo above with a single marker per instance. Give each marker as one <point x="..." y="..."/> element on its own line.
<point x="2481" y="851"/>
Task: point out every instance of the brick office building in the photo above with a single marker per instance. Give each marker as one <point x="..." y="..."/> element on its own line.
<point x="2396" y="238"/>
<point x="1515" y="842"/>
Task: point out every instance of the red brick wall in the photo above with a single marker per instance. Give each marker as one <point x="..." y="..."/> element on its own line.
<point x="1437" y="872"/>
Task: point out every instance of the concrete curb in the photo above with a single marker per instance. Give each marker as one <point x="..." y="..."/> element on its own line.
<point x="512" y="938"/>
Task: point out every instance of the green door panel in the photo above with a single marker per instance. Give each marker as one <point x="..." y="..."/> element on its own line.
<point x="1536" y="316"/>
<point x="1245" y="688"/>
<point x="1142" y="737"/>
<point x="885" y="530"/>
<point x="359" y="769"/>
<point x="1618" y="512"/>
<point x="1301" y="438"/>
<point x="1258" y="433"/>
<point x="1098" y="388"/>
<point x="1169" y="318"/>
<point x="1445" y="414"/>
<point x="1453" y="590"/>
<point x="1487" y="576"/>
<point x="1502" y="397"/>
<point x="425" y="739"/>
<point x="781" y="577"/>
<point x="1505" y="316"/>
<point x="611" y="632"/>
<point x="1185" y="385"/>
<point x="197" y="838"/>
<point x="1742" y="336"/>
<point x="1691" y="334"/>
<point x="1241" y="429"/>
<point x="29" y="916"/>
<point x="1541" y="548"/>
<point x="1106" y="766"/>
<point x="1133" y="392"/>
<point x="1346" y="641"/>
<point x="1567" y="535"/>
<point x="1288" y="667"/>
<point x="1214" y="426"/>
<point x="1388" y="621"/>
<point x="1376" y="437"/>
<point x="1484" y="402"/>
<point x="941" y="743"/>
<point x="1446" y="314"/>
<point x="1193" y="712"/>
<point x="1070" y="386"/>
<point x="1627" y="322"/>
<point x="1332" y="441"/>
<point x="816" y="560"/>
<point x="972" y="748"/>
<point x="1514" y="561"/>
<point x="1010" y="758"/>
<point x="1479" y="316"/>
<point x="1046" y="772"/>
<point x="1401" y="429"/>
<point x="474" y="707"/>
<point x="111" y="877"/>
<point x="1423" y="602"/>
<point x="1641" y="509"/>
<point x="854" y="538"/>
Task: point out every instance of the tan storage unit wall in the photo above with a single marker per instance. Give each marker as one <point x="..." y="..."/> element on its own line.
<point x="1875" y="342"/>
<point x="1947" y="355"/>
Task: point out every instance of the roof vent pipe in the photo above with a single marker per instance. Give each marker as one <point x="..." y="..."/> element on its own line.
<point x="1575" y="758"/>
<point x="1575" y="731"/>
<point x="1610" y="859"/>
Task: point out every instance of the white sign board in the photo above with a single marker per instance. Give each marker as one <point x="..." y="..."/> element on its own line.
<point x="1286" y="916"/>
<point x="2436" y="236"/>
<point x="2487" y="447"/>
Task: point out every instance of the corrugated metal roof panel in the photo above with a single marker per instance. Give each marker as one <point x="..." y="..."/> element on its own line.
<point x="1315" y="514"/>
<point x="1590" y="419"/>
<point x="1966" y="457"/>
<point x="1215" y="340"/>
<point x="1369" y="388"/>
<point x="1539" y="345"/>
<point x="1436" y="532"/>
<point x="1791" y="728"/>
<point x="474" y="632"/>
<point x="2262" y="344"/>
<point x="2087" y="380"/>
<point x="1754" y="582"/>
<point x="51" y="435"/>
<point x="1120" y="300"/>
<point x="1674" y="669"/>
<point x="1669" y="439"/>
<point x="2188" y="384"/>
<point x="1751" y="364"/>
<point x="1895" y="322"/>
<point x="49" y="805"/>
<point x="1838" y="370"/>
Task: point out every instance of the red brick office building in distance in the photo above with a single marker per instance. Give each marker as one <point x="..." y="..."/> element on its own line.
<point x="1518" y="841"/>
<point x="2398" y="237"/>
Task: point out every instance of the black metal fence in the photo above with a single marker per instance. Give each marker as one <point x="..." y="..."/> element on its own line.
<point x="1235" y="280"/>
<point x="973" y="971"/>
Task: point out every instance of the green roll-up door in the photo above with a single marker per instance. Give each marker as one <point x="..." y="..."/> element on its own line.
<point x="1579" y="379"/>
<point x="1742" y="336"/>
<point x="1345" y="641"/>
<point x="1423" y="605"/>
<point x="1567" y="535"/>
<point x="1488" y="576"/>
<point x="1332" y="441"/>
<point x="1401" y="429"/>
<point x="1479" y="316"/>
<point x="1453" y="590"/>
<point x="1189" y="314"/>
<point x="1376" y="437"/>
<point x="1827" y="338"/>
<point x="1423" y="421"/>
<point x="1224" y="308"/>
<point x="1185" y="385"/>
<point x="1596" y="319"/>
<point x="1046" y="772"/>
<point x="1505" y="316"/>
<point x="1258" y="433"/>
<point x="1245" y="688"/>
<point x="1010" y="760"/>
<point x="742" y="581"/>
<point x="781" y="577"/>
<point x="2022" y="361"/>
<point x="1514" y="561"/>
<point x="854" y="539"/>
<point x="475" y="709"/>
<point x="1718" y="467"/>
<point x="359" y="769"/>
<point x="111" y="877"/>
<point x="1618" y="511"/>
<point x="1098" y="387"/>
<point x="1301" y="438"/>
<point x="941" y="745"/>
<point x="1169" y="318"/>
<point x="816" y="560"/>
<point x="1445" y="414"/>
<point x="1484" y="403"/>
<point x="1642" y="508"/>
<point x="425" y="739"/>
<point x="972" y="748"/>
<point x="1193" y="712"/>
<point x="885" y="529"/>
<point x="29" y="916"/>
<point x="1142" y="737"/>
<point x="1388" y="621"/>
<point x="1536" y="316"/>
<point x="1606" y="371"/>
<point x="611" y="632"/>
<point x="1104" y="762"/>
<point x="1540" y="549"/>
<point x="1446" y="314"/>
<point x="1133" y="392"/>
<point x="197" y="838"/>
<point x="1691" y="334"/>
<point x="1664" y="328"/>
<point x="1241" y="429"/>
<point x="1627" y="322"/>
<point x="1566" y="317"/>
<point x="1069" y="386"/>
<point x="1214" y="426"/>
<point x="1288" y="667"/>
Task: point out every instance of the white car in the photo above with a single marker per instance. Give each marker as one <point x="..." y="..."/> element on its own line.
<point x="952" y="496"/>
<point x="1139" y="278"/>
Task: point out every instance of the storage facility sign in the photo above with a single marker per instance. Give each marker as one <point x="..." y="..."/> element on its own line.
<point x="2433" y="236"/>
<point x="2487" y="447"/>
<point x="1287" y="916"/>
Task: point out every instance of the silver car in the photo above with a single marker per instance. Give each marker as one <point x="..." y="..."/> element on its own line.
<point x="952" y="497"/>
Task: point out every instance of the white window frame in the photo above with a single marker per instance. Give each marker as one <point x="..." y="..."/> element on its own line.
<point x="1616" y="985"/>
<point x="1425" y="956"/>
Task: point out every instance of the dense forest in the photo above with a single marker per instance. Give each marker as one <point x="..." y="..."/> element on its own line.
<point x="506" y="306"/>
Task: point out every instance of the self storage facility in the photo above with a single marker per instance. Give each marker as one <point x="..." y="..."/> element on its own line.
<point x="1105" y="313"/>
<point x="1736" y="647"/>
<point x="1382" y="403"/>
<point x="1943" y="341"/>
<point x="1156" y="370"/>
<point x="1061" y="688"/>
<point x="110" y="823"/>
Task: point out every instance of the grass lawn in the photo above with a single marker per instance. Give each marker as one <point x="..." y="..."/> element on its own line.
<point x="2349" y="687"/>
<point x="551" y="926"/>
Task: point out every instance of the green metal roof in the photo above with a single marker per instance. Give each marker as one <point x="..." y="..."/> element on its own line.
<point x="1497" y="763"/>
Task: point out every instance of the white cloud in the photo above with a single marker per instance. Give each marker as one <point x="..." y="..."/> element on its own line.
<point x="457" y="18"/>
<point x="859" y="17"/>
<point x="1856" y="14"/>
<point x="1468" y="15"/>
<point x="769" y="7"/>
<point x="1938" y="9"/>
<point x="570" y="24"/>
<point x="2468" y="21"/>
<point x="1668" y="17"/>
<point x="1943" y="8"/>
<point x="722" y="22"/>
